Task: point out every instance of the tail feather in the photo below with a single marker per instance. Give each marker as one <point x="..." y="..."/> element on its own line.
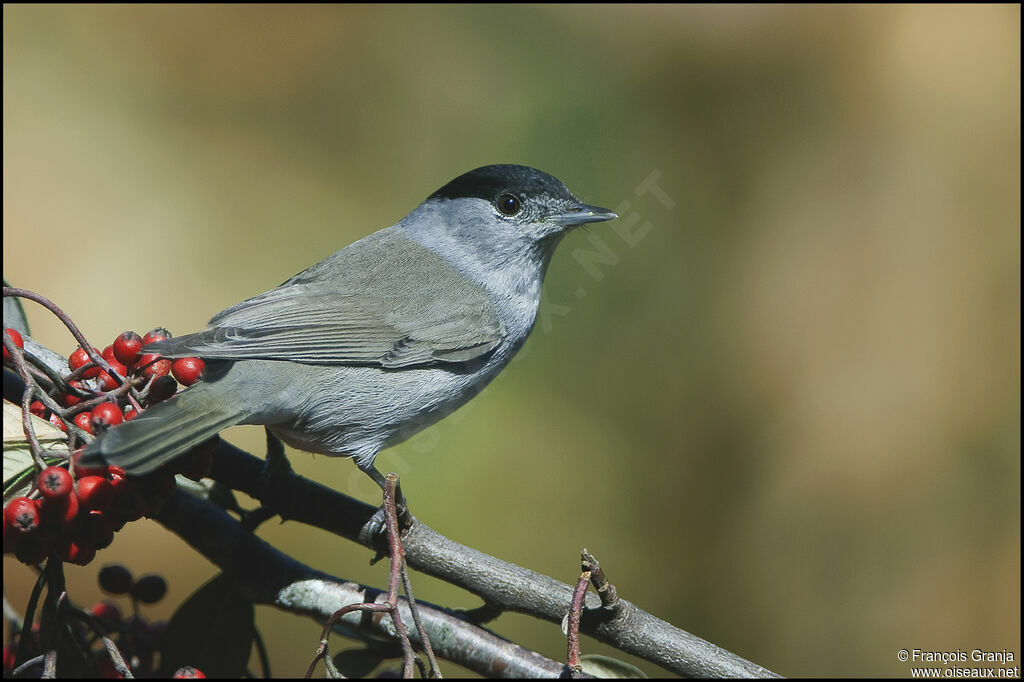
<point x="164" y="431"/>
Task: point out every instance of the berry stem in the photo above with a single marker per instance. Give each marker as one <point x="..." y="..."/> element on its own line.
<point x="72" y="327"/>
<point x="18" y="358"/>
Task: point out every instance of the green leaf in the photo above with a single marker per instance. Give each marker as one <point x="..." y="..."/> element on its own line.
<point x="19" y="468"/>
<point x="212" y="631"/>
<point x="18" y="472"/>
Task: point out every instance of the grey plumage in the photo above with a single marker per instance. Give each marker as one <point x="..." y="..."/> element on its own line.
<point x="325" y="316"/>
<point x="377" y="341"/>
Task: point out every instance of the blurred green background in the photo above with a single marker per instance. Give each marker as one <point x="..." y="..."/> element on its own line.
<point x="782" y="402"/>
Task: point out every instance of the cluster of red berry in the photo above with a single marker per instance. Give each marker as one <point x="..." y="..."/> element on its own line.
<point x="137" y="639"/>
<point x="76" y="510"/>
<point x="73" y="518"/>
<point x="158" y="376"/>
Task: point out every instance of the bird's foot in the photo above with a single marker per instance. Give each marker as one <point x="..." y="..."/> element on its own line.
<point x="393" y="516"/>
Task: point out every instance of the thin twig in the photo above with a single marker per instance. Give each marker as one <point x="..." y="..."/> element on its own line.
<point x="18" y="358"/>
<point x="605" y="590"/>
<point x="572" y="633"/>
<point x="115" y="654"/>
<point x="72" y="327"/>
<point x="390" y="605"/>
<point x="56" y="592"/>
<point x="40" y="370"/>
<point x="261" y="651"/>
<point x="50" y="665"/>
<point x="34" y="390"/>
<point x="397" y="562"/>
<point x="24" y="667"/>
<point x="24" y="642"/>
<point x="414" y="609"/>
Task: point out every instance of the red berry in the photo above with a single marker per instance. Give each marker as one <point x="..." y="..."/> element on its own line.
<point x="118" y="367"/>
<point x="154" y="365"/>
<point x="125" y="506"/>
<point x="94" y="493"/>
<point x="10" y="655"/>
<point x="79" y="358"/>
<point x="98" y="529"/>
<point x="58" y="422"/>
<point x="115" y="579"/>
<point x="59" y="512"/>
<point x="106" y="415"/>
<point x="21" y="516"/>
<point x="130" y="413"/>
<point x="154" y="335"/>
<point x="149" y="589"/>
<point x="77" y="551"/>
<point x="189" y="673"/>
<point x="70" y="399"/>
<point x="114" y="521"/>
<point x="83" y="420"/>
<point x="107" y="612"/>
<point x="127" y="347"/>
<point x="188" y="370"/>
<point x="162" y="388"/>
<point x="16" y="338"/>
<point x="37" y="408"/>
<point x="107" y="382"/>
<point x="54" y="482"/>
<point x="82" y="470"/>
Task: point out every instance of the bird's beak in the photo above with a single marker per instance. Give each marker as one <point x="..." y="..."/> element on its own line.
<point x="578" y="215"/>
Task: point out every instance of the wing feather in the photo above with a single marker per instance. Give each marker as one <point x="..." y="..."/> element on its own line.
<point x="325" y="315"/>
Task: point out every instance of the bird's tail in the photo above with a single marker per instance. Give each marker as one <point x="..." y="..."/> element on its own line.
<point x="164" y="431"/>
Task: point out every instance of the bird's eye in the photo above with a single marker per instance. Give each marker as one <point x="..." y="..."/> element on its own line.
<point x="508" y="204"/>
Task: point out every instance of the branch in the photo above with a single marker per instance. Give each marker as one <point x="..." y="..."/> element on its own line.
<point x="286" y="583"/>
<point x="500" y="584"/>
<point x="268" y="576"/>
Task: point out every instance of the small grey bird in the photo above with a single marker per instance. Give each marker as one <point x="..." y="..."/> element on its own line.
<point x="380" y="340"/>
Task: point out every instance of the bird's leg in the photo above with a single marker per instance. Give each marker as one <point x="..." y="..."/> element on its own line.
<point x="276" y="463"/>
<point x="377" y="526"/>
<point x="276" y="460"/>
<point x="397" y="575"/>
<point x="373" y="472"/>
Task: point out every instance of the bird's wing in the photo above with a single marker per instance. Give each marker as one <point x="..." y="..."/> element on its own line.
<point x="400" y="308"/>
<point x="339" y="329"/>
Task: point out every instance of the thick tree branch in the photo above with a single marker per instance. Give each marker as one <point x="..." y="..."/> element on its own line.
<point x="500" y="584"/>
<point x="268" y="576"/>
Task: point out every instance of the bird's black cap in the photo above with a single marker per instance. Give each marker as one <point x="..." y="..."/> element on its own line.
<point x="488" y="182"/>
